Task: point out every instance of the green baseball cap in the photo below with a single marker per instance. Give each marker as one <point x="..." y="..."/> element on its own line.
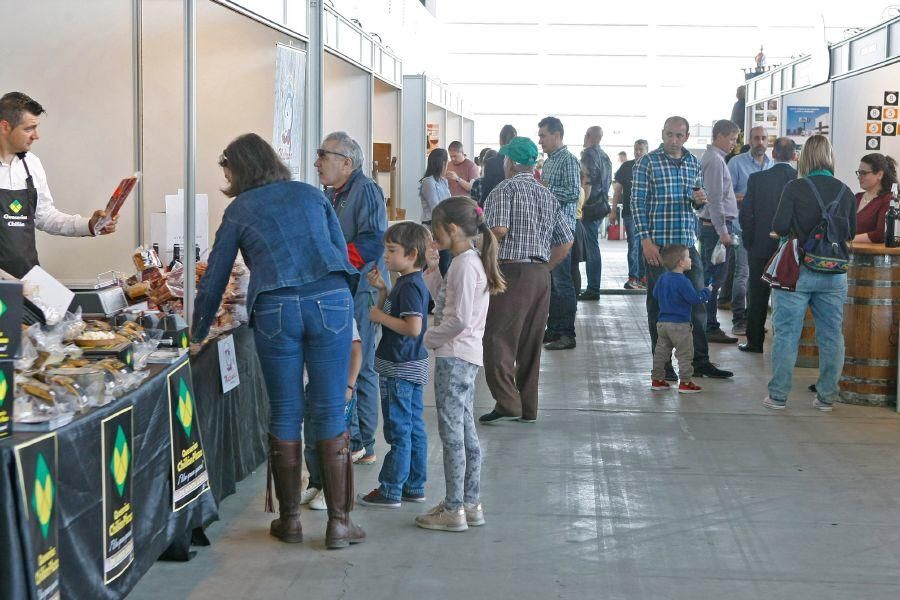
<point x="520" y="150"/>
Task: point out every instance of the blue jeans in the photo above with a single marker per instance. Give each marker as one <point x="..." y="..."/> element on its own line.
<point x="636" y="267"/>
<point x="741" y="280"/>
<point x="291" y="330"/>
<point x="698" y="312"/>
<point x="717" y="274"/>
<point x="563" y="301"/>
<point x="825" y="295"/>
<point x="364" y="416"/>
<point x="592" y="259"/>
<point x="404" y="468"/>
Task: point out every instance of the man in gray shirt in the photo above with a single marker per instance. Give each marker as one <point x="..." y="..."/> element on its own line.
<point x="717" y="219"/>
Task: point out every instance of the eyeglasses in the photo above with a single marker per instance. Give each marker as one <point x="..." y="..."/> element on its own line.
<point x="861" y="173"/>
<point x="223" y="160"/>
<point x="322" y="152"/>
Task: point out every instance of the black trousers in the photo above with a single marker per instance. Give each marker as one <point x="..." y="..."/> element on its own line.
<point x="757" y="302"/>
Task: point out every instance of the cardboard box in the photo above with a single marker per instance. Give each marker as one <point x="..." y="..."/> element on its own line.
<point x="10" y="319"/>
<point x="7" y="394"/>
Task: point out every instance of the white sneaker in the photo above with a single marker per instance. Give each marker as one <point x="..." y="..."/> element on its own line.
<point x="308" y="494"/>
<point x="318" y="503"/>
<point x="355" y="456"/>
<point x="441" y="519"/>
<point x="474" y="514"/>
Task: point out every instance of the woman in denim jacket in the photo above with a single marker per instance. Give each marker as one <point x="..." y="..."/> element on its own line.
<point x="300" y="307"/>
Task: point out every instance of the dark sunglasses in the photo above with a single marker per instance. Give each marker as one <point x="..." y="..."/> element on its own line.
<point x="321" y="153"/>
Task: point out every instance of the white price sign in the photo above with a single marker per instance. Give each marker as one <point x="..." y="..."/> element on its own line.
<point x="228" y="364"/>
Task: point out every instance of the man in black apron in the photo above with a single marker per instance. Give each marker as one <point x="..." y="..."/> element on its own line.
<point x="25" y="200"/>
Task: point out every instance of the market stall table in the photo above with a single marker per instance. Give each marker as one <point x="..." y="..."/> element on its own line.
<point x="233" y="429"/>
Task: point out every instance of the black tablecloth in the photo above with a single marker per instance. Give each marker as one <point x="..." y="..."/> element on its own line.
<point x="233" y="428"/>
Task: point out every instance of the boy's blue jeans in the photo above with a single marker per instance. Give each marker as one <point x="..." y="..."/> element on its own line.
<point x="404" y="468"/>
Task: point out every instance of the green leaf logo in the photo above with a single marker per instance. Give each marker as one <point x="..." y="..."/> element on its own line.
<point x="185" y="407"/>
<point x="184" y="340"/>
<point x="4" y="387"/>
<point x="3" y="308"/>
<point x="129" y="358"/>
<point x="42" y="499"/>
<point x="16" y="207"/>
<point x="120" y="461"/>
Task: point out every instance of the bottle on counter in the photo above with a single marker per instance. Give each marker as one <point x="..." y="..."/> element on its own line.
<point x="176" y="257"/>
<point x="892" y="222"/>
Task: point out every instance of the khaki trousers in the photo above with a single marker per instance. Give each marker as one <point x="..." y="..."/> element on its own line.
<point x="677" y="336"/>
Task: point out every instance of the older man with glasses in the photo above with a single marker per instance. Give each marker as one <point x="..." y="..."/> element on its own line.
<point x="359" y="204"/>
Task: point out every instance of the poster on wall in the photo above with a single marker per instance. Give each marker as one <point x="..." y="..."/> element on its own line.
<point x="36" y="462"/>
<point x="117" y="441"/>
<point x="432" y="136"/>
<point x="765" y="114"/>
<point x="290" y="90"/>
<point x="804" y="121"/>
<point x="882" y="120"/>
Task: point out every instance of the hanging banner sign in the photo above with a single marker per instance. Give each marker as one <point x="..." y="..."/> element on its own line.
<point x="190" y="478"/>
<point x="228" y="369"/>
<point x="117" y="441"/>
<point x="36" y="463"/>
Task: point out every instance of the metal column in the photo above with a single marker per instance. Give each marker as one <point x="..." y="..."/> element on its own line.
<point x="315" y="86"/>
<point x="190" y="154"/>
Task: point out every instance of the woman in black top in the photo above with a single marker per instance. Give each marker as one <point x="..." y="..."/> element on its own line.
<point x="824" y="293"/>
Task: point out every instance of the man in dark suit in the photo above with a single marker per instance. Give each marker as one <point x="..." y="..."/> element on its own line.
<point x="493" y="168"/>
<point x="756" y="215"/>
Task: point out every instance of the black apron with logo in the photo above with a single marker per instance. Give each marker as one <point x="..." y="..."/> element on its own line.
<point x="18" y="252"/>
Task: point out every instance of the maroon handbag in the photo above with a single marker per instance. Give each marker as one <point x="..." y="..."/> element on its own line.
<point x="783" y="269"/>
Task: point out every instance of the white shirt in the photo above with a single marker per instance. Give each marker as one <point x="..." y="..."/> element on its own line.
<point x="46" y="217"/>
<point x="460" y="311"/>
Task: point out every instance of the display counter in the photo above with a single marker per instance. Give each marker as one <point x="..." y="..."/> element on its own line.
<point x="871" y="317"/>
<point x="232" y="426"/>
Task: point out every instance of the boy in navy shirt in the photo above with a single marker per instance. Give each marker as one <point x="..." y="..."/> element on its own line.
<point x="676" y="295"/>
<point x="401" y="361"/>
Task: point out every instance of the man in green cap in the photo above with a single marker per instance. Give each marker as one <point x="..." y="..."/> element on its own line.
<point x="534" y="237"/>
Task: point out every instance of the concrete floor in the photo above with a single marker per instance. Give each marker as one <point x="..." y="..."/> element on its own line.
<point x="615" y="493"/>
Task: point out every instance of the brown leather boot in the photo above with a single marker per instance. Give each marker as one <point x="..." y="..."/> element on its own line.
<point x="337" y="477"/>
<point x="284" y="468"/>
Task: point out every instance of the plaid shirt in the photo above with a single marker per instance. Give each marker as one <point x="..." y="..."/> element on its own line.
<point x="531" y="214"/>
<point x="661" y="198"/>
<point x="562" y="176"/>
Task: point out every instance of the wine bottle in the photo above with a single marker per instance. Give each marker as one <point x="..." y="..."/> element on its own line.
<point x="176" y="257"/>
<point x="892" y="222"/>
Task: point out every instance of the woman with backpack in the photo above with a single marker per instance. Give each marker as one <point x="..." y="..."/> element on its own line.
<point x="820" y="211"/>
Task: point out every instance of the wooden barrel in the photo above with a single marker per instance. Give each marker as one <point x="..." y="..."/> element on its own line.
<point x="871" y="317"/>
<point x="808" y="351"/>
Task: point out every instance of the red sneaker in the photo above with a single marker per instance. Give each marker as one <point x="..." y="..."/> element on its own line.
<point x="659" y="384"/>
<point x="689" y="388"/>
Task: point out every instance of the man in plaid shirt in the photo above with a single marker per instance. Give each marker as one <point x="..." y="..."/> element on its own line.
<point x="667" y="187"/>
<point x="534" y="237"/>
<point x="561" y="175"/>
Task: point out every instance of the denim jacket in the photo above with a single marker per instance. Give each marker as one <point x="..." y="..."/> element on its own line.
<point x="288" y="235"/>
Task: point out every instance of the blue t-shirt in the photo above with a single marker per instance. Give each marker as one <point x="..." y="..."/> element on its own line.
<point x="676" y="295"/>
<point x="402" y="356"/>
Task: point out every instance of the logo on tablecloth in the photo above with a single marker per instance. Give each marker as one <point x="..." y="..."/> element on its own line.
<point x="42" y="497"/>
<point x="116" y="434"/>
<point x="4" y="387"/>
<point x="185" y="407"/>
<point x="121" y="458"/>
<point x="36" y="467"/>
<point x="190" y="478"/>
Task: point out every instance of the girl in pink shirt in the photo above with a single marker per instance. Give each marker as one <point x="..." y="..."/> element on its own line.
<point x="460" y="311"/>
